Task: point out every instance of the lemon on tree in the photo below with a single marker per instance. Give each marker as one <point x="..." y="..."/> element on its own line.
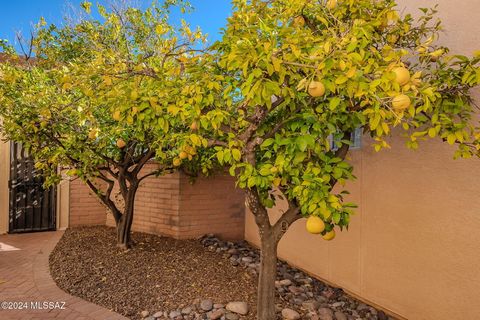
<point x="194" y="126"/>
<point x="316" y="89"/>
<point x="401" y="102"/>
<point x="299" y="21"/>
<point x="315" y="225"/>
<point x="116" y="115"/>
<point x="92" y="134"/>
<point x="329" y="235"/>
<point x="121" y="143"/>
<point x="402" y="75"/>
<point x="331" y="4"/>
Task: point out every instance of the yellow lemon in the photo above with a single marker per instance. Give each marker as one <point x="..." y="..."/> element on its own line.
<point x="177" y="162"/>
<point x="299" y="21"/>
<point x="92" y="134"/>
<point x="329" y="235"/>
<point x="401" y="102"/>
<point x="116" y="116"/>
<point x="194" y="126"/>
<point x="183" y="155"/>
<point x="315" y="225"/>
<point x="316" y="89"/>
<point x="402" y="75"/>
<point x="331" y="4"/>
<point x="121" y="143"/>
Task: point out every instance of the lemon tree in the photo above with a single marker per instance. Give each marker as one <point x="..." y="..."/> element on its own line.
<point x="100" y="99"/>
<point x="288" y="77"/>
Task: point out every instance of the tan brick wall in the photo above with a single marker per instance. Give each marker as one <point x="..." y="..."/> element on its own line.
<point x="170" y="205"/>
<point x="85" y="208"/>
<point x="156" y="205"/>
<point x="211" y="205"/>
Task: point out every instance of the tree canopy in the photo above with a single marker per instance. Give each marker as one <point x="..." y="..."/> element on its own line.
<point x="102" y="98"/>
<point x="289" y="77"/>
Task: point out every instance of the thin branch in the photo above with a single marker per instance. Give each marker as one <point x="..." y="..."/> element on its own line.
<point x="105" y="198"/>
<point x="214" y="142"/>
<point x="144" y="159"/>
<point x="286" y="220"/>
<point x="341" y="153"/>
<point x="282" y="124"/>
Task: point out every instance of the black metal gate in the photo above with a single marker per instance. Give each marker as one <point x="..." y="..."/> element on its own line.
<point x="32" y="208"/>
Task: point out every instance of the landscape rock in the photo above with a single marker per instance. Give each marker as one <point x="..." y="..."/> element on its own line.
<point x="216" y="314"/>
<point x="247" y="259"/>
<point x="239" y="307"/>
<point x="187" y="310"/>
<point x="381" y="315"/>
<point x="206" y="305"/>
<point x="286" y="282"/>
<point x="290" y="314"/>
<point x="144" y="314"/>
<point x="325" y="314"/>
<point x="310" y="305"/>
<point x="339" y="315"/>
<point x="174" y="314"/>
<point x="362" y="306"/>
<point x="231" y="316"/>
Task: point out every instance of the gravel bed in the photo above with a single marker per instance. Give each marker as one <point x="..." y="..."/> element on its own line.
<point x="163" y="278"/>
<point x="160" y="273"/>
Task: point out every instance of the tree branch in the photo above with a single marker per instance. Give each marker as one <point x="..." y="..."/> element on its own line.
<point x="286" y="220"/>
<point x="341" y="153"/>
<point x="144" y="159"/>
<point x="105" y="198"/>
<point x="259" y="212"/>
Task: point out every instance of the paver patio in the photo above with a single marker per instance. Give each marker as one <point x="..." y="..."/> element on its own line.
<point x="25" y="278"/>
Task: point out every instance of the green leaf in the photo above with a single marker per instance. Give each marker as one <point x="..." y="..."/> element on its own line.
<point x="334" y="103"/>
<point x="236" y="154"/>
<point x="220" y="156"/>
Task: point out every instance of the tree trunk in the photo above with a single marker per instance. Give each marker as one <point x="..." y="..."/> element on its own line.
<point x="123" y="233"/>
<point x="266" y="280"/>
<point x="124" y="225"/>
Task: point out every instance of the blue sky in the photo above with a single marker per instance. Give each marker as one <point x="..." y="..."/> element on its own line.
<point x="210" y="15"/>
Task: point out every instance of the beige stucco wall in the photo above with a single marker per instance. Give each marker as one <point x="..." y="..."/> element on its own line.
<point x="63" y="204"/>
<point x="4" y="176"/>
<point x="413" y="246"/>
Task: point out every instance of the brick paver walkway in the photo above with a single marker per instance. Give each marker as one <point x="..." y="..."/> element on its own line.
<point x="25" y="278"/>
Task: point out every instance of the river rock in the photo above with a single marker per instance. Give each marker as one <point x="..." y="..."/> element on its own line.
<point x="206" y="305"/>
<point x="290" y="314"/>
<point x="239" y="307"/>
